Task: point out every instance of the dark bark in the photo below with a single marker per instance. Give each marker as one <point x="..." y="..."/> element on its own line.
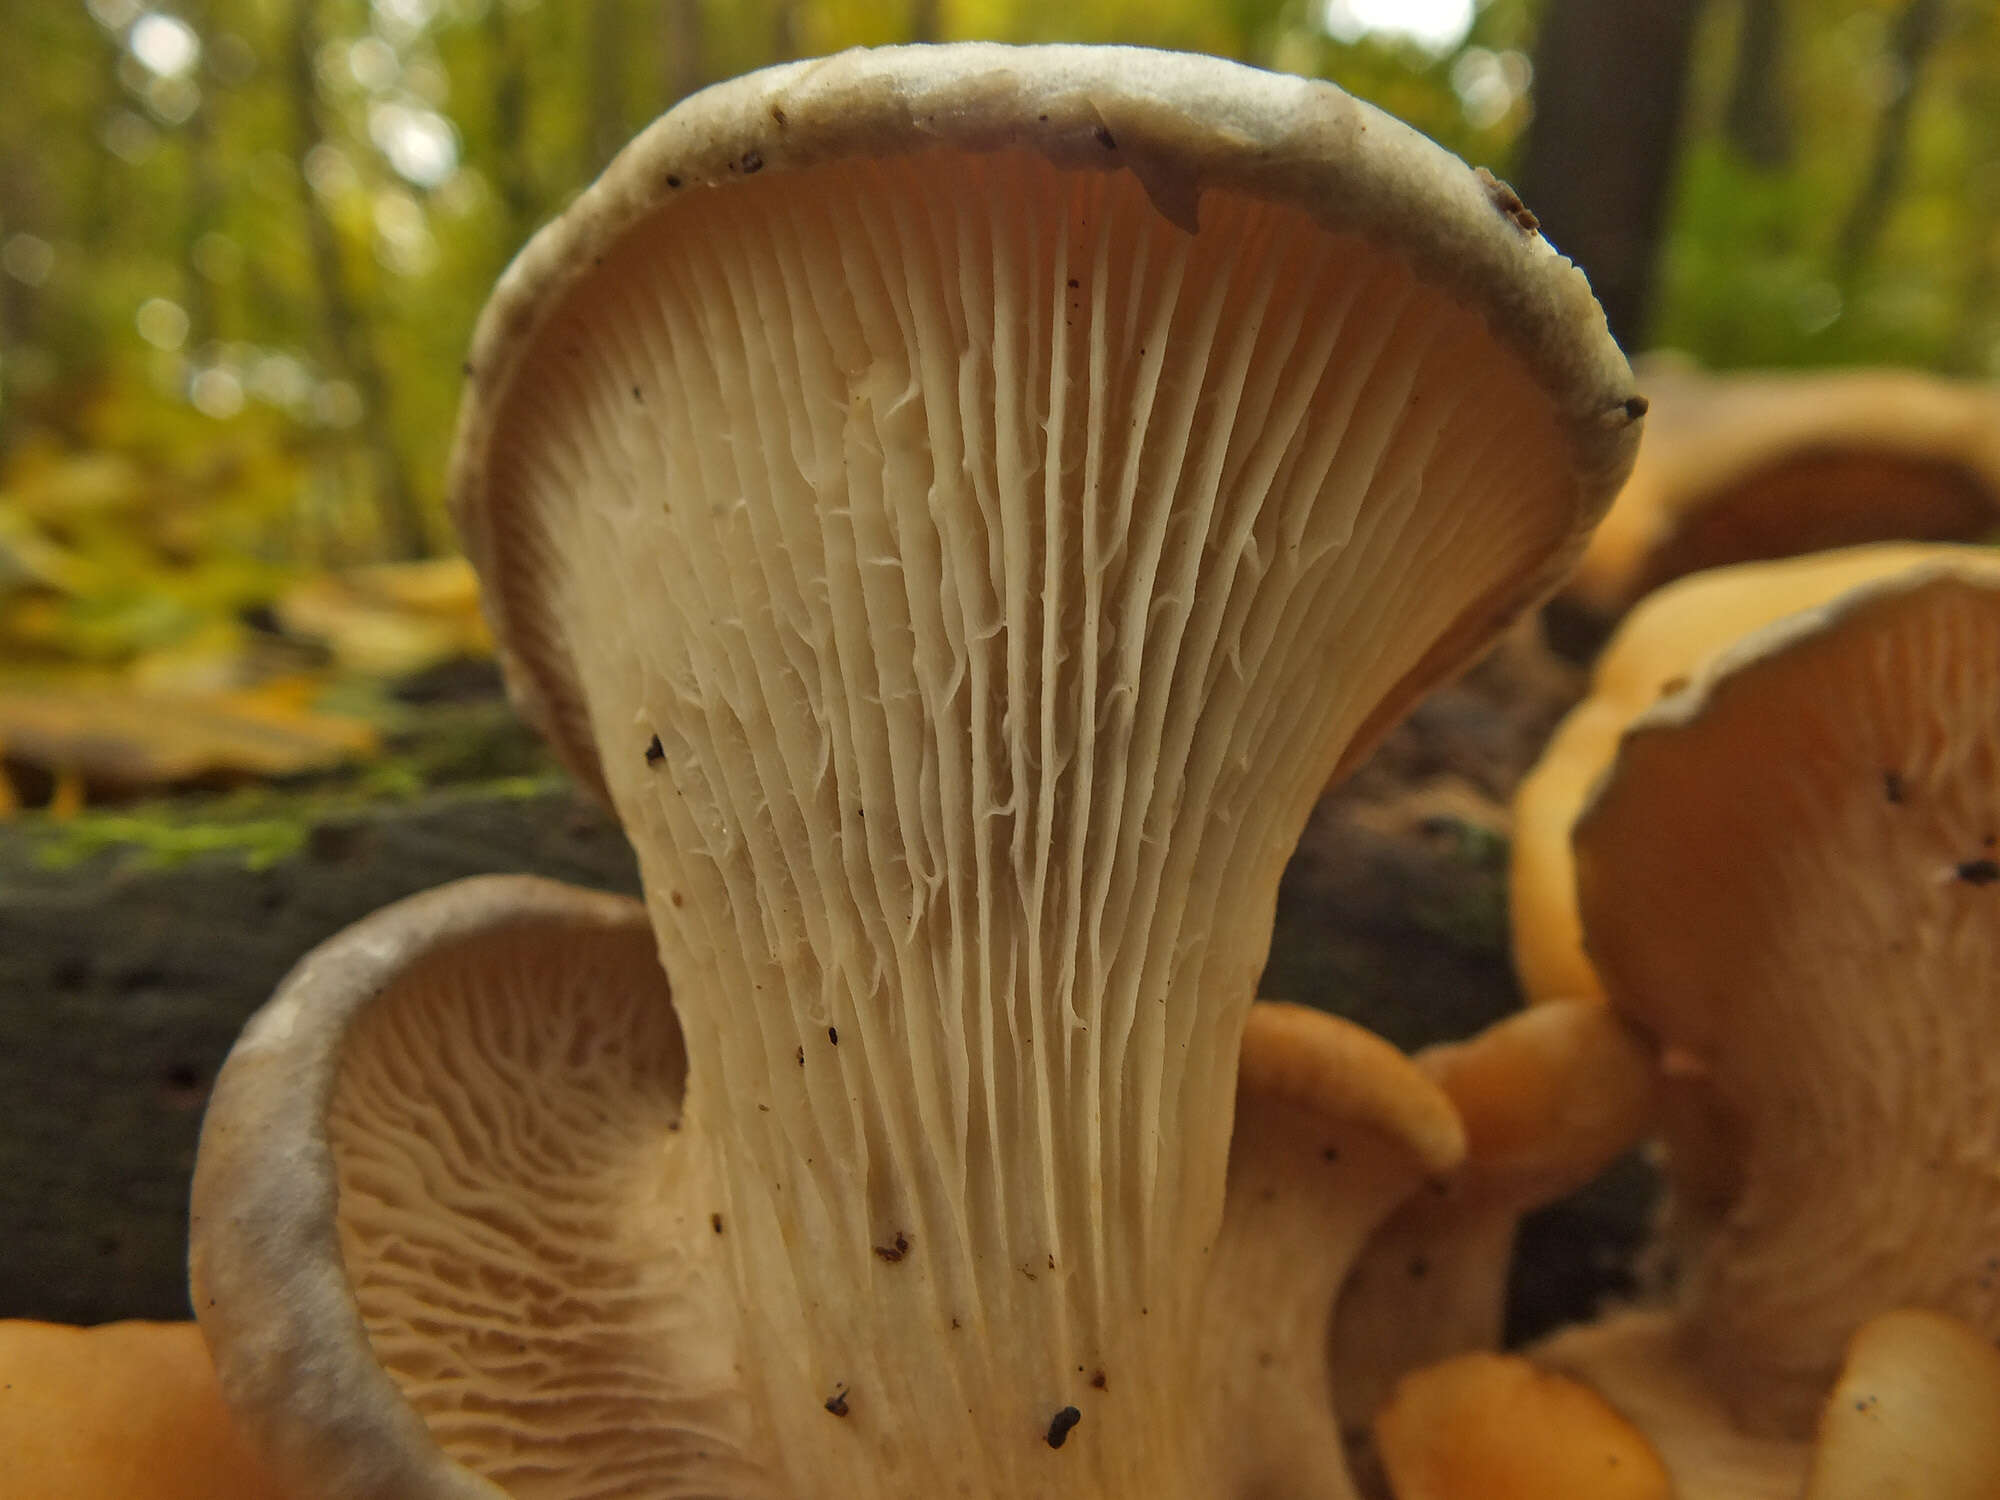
<point x="1915" y="35"/>
<point x="205" y="198"/>
<point x="1758" y="121"/>
<point x="350" y="343"/>
<point x="512" y="173"/>
<point x="684" y="32"/>
<point x="605" y="84"/>
<point x="1610" y="81"/>
<point x="121" y="989"/>
<point x="785" y="30"/>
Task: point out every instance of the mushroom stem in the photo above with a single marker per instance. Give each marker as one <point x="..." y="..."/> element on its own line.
<point x="960" y="506"/>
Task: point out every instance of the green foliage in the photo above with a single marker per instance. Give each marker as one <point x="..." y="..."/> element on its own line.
<point x="1756" y="271"/>
<point x="237" y="280"/>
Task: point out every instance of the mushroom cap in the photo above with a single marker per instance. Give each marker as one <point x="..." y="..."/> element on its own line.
<point x="1787" y="879"/>
<point x="1334" y="1128"/>
<point x="1494" y="1427"/>
<point x="124" y="1410"/>
<point x="1547" y="1099"/>
<point x="1183" y="126"/>
<point x="443" y="1237"/>
<point x="1915" y="1415"/>
<point x="1743" y="467"/>
<point x="1661" y="646"/>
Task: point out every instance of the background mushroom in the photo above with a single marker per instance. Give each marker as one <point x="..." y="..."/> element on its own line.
<point x="1786" y="880"/>
<point x="960" y="505"/>
<point x="1743" y="467"/>
<point x="1658" y="649"/>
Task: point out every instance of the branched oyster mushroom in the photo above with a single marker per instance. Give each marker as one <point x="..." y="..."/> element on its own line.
<point x="1788" y="880"/>
<point x="960" y="505"/>
<point x="449" y="1238"/>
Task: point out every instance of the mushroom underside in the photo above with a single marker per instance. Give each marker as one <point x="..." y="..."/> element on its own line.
<point x="527" y="1299"/>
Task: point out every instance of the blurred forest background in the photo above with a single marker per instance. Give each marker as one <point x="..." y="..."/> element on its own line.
<point x="242" y="244"/>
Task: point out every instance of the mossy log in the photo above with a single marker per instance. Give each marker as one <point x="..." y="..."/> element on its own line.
<point x="128" y="966"/>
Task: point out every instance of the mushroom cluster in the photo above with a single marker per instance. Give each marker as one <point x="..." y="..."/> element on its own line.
<point x="1782" y="796"/>
<point x="959" y="506"/>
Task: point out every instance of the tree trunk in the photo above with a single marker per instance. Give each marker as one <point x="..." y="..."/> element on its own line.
<point x="1610" y="78"/>
<point x="511" y="170"/>
<point x="1759" y="119"/>
<point x="686" y="69"/>
<point x="205" y="195"/>
<point x="349" y="341"/>
<point x="605" y="83"/>
<point x="1916" y="33"/>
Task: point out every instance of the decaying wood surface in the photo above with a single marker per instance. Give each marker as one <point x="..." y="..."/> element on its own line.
<point x="123" y="985"/>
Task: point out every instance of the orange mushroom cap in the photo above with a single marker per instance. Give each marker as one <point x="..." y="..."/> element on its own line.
<point x="126" y="1411"/>
<point x="1494" y="1427"/>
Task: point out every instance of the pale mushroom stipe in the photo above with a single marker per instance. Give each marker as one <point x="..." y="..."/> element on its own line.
<point x="959" y="506"/>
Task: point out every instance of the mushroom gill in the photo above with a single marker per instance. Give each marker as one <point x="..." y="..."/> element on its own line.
<point x="443" y="1202"/>
<point x="960" y="505"/>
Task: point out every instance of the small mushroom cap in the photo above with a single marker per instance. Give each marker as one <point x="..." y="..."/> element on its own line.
<point x="1753" y="466"/>
<point x="1547" y="1098"/>
<point x="446" y="1241"/>
<point x="1322" y="1068"/>
<point x="1915" y="1416"/>
<point x="1494" y="1427"/>
<point x="1334" y="1128"/>
<point x="1788" y="879"/>
<point x="1183" y="126"/>
<point x="1661" y="646"/>
<point x="125" y="1411"/>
